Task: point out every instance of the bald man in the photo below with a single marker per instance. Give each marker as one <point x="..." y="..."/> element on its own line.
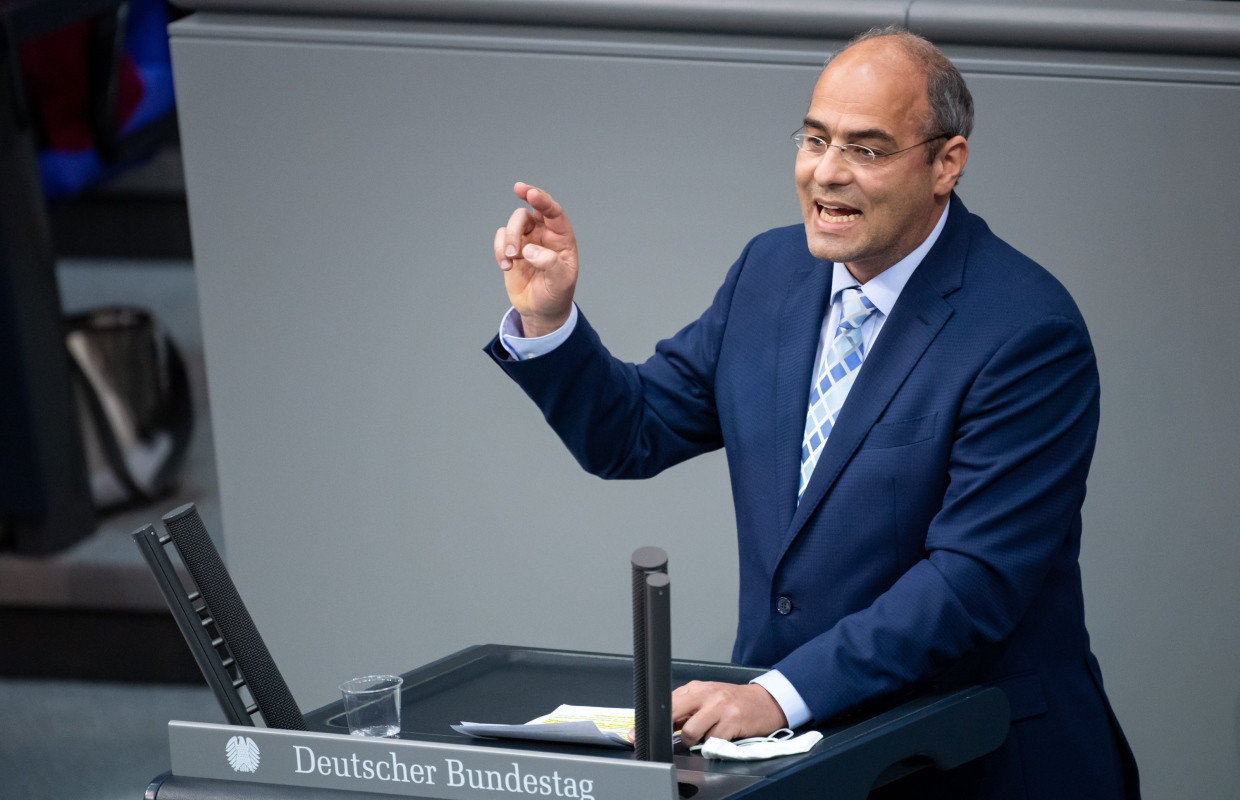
<point x="909" y="408"/>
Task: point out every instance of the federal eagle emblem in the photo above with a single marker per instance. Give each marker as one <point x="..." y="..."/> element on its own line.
<point x="242" y="754"/>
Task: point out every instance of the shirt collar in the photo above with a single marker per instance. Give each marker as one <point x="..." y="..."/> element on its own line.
<point x="884" y="288"/>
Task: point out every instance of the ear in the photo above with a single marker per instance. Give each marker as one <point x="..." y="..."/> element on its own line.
<point x="949" y="164"/>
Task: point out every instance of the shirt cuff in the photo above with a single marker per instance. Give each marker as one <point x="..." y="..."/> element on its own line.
<point x="511" y="335"/>
<point x="788" y="698"/>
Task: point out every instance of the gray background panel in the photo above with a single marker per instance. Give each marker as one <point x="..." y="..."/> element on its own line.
<point x="1195" y="27"/>
<point x="388" y="497"/>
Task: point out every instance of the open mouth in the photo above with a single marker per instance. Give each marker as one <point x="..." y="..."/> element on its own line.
<point x="837" y="213"/>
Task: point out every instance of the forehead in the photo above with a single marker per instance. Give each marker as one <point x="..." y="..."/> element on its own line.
<point x="870" y="86"/>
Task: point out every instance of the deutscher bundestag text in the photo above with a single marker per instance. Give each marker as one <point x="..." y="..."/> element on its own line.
<point x="454" y="773"/>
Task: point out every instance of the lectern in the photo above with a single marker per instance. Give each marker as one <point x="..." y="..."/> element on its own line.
<point x="499" y="683"/>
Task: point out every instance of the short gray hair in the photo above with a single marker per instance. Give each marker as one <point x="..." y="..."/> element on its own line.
<point x="951" y="104"/>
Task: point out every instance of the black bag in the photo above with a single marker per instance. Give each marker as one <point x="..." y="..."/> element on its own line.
<point x="134" y="404"/>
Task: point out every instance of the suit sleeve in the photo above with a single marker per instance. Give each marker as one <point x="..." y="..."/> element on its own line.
<point x="622" y="420"/>
<point x="1010" y="517"/>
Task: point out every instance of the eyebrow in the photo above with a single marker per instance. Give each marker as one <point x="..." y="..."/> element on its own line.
<point x="873" y="134"/>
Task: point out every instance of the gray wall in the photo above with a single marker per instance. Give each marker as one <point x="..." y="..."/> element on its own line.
<point x="387" y="496"/>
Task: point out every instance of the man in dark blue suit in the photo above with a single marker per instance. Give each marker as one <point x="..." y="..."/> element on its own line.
<point x="909" y="408"/>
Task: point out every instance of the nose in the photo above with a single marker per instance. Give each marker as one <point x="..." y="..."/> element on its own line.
<point x="831" y="168"/>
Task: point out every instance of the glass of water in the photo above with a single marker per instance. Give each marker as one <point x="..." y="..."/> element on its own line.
<point x="372" y="705"/>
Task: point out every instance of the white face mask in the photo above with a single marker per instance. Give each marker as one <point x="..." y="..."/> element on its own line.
<point x="779" y="743"/>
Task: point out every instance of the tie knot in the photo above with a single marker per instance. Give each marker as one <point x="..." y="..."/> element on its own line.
<point x="856" y="308"/>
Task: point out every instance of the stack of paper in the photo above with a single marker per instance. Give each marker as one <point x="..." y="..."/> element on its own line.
<point x="606" y="727"/>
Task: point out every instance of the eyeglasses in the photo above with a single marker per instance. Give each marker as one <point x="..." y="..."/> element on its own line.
<point x="857" y="154"/>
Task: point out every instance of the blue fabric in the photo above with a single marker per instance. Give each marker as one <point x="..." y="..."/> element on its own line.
<point x="67" y="172"/>
<point x="938" y="537"/>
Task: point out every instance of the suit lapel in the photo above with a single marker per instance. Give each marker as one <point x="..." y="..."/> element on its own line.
<point x="918" y="316"/>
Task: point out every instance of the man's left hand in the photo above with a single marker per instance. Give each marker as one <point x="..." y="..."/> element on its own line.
<point x="701" y="709"/>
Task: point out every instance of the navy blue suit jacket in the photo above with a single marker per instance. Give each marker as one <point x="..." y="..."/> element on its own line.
<point x="937" y="540"/>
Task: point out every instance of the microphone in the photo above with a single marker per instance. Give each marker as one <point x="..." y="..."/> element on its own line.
<point x="651" y="670"/>
<point x="659" y="667"/>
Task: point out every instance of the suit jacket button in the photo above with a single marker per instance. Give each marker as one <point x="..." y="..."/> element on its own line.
<point x="783" y="605"/>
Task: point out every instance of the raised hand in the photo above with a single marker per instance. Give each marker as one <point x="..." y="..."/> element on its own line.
<point x="538" y="254"/>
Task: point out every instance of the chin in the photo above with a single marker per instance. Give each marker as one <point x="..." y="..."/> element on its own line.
<point x="823" y="251"/>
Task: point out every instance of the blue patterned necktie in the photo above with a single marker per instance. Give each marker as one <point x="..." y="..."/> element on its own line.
<point x="835" y="376"/>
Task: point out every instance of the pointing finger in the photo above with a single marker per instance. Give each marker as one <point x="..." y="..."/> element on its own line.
<point x="548" y="209"/>
<point x="520" y="224"/>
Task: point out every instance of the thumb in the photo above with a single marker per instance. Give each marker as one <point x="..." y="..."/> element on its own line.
<point x="539" y="257"/>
